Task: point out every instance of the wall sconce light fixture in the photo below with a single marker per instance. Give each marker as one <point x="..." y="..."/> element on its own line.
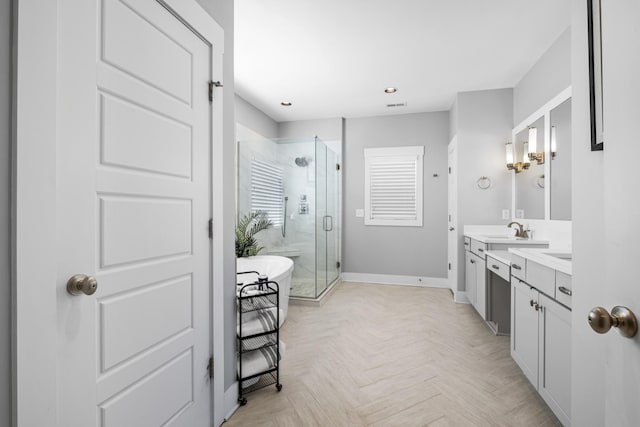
<point x="538" y="156"/>
<point x="554" y="146"/>
<point x="517" y="166"/>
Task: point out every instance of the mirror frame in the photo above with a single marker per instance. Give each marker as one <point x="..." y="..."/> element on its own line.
<point x="544" y="111"/>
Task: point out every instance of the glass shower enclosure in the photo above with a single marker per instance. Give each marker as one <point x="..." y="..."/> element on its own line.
<point x="296" y="181"/>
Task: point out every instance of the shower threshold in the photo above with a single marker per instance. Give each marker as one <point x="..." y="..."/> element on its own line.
<point x="320" y="300"/>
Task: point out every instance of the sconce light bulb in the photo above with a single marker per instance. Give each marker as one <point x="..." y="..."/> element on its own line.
<point x="533" y="140"/>
<point x="525" y="153"/>
<point x="509" y="153"/>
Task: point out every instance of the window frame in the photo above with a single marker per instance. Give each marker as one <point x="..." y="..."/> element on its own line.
<point x="401" y="153"/>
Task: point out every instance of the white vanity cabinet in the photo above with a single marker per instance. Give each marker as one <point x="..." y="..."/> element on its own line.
<point x="541" y="335"/>
<point x="476" y="247"/>
<point x="524" y="329"/>
<point x="475" y="282"/>
<point x="554" y="378"/>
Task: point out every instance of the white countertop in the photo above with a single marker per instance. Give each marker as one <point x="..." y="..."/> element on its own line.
<point x="502" y="256"/>
<point x="505" y="238"/>
<point x="543" y="257"/>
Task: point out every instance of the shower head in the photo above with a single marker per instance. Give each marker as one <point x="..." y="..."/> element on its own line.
<point x="301" y="161"/>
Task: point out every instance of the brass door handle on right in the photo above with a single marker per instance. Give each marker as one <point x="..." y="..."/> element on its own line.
<point x="621" y="317"/>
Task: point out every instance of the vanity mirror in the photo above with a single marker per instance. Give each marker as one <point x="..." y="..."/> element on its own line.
<point x="530" y="182"/>
<point x="542" y="179"/>
<point x="560" y="159"/>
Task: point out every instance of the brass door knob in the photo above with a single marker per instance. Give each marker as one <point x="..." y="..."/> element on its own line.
<point x="82" y="284"/>
<point x="621" y="317"/>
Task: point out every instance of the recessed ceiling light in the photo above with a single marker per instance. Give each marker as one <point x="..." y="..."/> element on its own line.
<point x="390" y="90"/>
<point x="286" y="104"/>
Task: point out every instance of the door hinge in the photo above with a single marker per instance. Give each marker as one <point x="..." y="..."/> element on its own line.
<point x="211" y="228"/>
<point x="337" y="166"/>
<point x="213" y="84"/>
<point x="210" y="367"/>
<point x="449" y="169"/>
<point x="338" y="264"/>
<point x="449" y="266"/>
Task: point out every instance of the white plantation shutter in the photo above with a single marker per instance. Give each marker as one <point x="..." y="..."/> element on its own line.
<point x="267" y="190"/>
<point x="393" y="186"/>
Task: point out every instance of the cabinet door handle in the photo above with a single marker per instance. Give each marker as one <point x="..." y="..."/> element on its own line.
<point x="495" y="267"/>
<point x="466" y="243"/>
<point x="516" y="266"/>
<point x="535" y="305"/>
<point x="565" y="290"/>
<point x="472" y="261"/>
<point x="480" y="250"/>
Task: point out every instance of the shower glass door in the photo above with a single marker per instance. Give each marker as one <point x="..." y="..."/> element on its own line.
<point x="321" y="217"/>
<point x="326" y="217"/>
<point x="333" y="185"/>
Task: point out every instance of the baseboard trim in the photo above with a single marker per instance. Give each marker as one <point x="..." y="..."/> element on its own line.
<point x="231" y="401"/>
<point x="461" y="297"/>
<point x="390" y="279"/>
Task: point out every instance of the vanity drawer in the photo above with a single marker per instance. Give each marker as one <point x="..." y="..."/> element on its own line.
<point x="563" y="288"/>
<point x="478" y="248"/>
<point x="518" y="266"/>
<point x="542" y="278"/>
<point x="499" y="268"/>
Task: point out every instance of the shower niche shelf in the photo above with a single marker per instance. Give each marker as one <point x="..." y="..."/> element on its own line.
<point x="258" y="345"/>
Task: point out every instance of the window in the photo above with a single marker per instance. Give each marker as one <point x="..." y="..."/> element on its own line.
<point x="393" y="186"/>
<point x="267" y="190"/>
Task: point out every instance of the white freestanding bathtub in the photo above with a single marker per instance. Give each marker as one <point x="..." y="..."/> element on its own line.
<point x="277" y="268"/>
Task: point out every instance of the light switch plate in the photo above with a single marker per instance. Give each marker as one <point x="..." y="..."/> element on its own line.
<point x="519" y="213"/>
<point x="359" y="213"/>
<point x="505" y="213"/>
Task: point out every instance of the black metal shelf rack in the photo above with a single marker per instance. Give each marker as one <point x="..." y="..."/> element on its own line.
<point x="258" y="302"/>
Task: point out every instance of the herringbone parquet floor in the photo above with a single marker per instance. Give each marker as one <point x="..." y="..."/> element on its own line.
<point x="377" y="355"/>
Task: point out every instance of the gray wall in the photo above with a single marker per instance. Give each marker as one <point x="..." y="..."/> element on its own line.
<point x="550" y="75"/>
<point x="325" y="129"/>
<point x="249" y="116"/>
<point x="485" y="120"/>
<point x="411" y="251"/>
<point x="222" y="12"/>
<point x="5" y="189"/>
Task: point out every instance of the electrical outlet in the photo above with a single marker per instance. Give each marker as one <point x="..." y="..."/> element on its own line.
<point x="519" y="213"/>
<point x="359" y="213"/>
<point x="505" y="213"/>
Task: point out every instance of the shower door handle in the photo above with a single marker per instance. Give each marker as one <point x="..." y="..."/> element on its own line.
<point x="327" y="223"/>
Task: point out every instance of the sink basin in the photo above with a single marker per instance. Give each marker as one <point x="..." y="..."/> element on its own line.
<point x="503" y="236"/>
<point x="566" y="257"/>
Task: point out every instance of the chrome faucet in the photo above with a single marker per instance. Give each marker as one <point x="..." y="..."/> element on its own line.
<point x="520" y="232"/>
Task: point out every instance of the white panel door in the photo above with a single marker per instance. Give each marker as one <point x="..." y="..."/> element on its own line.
<point x="452" y="203"/>
<point x="610" y="364"/>
<point x="133" y="211"/>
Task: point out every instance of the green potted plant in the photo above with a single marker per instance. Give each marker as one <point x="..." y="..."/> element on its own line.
<point x="248" y="226"/>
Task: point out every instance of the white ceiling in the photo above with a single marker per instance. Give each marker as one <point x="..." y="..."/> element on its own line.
<point x="334" y="58"/>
